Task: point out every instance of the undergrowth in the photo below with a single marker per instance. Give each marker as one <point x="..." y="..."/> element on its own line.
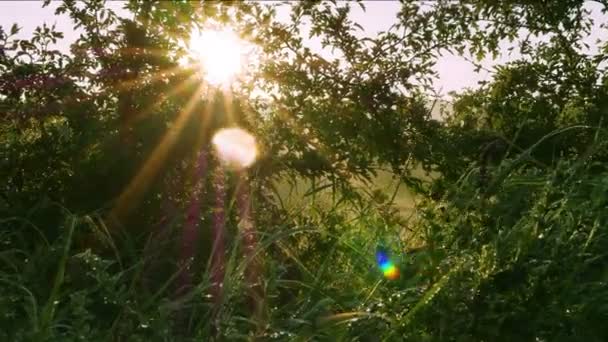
<point x="524" y="260"/>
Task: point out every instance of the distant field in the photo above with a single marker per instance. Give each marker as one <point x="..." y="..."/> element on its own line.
<point x="295" y="195"/>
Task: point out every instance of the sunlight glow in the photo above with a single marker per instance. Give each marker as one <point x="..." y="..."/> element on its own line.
<point x="236" y="147"/>
<point x="220" y="53"/>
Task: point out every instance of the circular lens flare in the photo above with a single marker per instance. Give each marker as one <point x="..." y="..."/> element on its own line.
<point x="236" y="147"/>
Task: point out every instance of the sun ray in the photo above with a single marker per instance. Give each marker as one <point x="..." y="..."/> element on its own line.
<point x="218" y="247"/>
<point x="228" y="107"/>
<point x="191" y="232"/>
<point x="133" y="192"/>
<point x="247" y="229"/>
<point x="157" y="102"/>
<point x="153" y="77"/>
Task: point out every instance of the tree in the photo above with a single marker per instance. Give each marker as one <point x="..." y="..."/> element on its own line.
<point x="107" y="156"/>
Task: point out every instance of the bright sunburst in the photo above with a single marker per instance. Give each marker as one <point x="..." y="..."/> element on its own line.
<point x="220" y="53"/>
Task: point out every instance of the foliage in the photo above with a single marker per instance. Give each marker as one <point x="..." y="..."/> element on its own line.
<point x="525" y="263"/>
<point x="109" y="179"/>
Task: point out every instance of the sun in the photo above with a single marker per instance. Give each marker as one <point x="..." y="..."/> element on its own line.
<point x="220" y="54"/>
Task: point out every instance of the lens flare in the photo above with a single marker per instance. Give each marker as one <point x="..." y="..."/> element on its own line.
<point x="387" y="267"/>
<point x="235" y="147"/>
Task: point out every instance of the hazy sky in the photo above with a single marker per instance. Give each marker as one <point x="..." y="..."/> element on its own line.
<point x="455" y="73"/>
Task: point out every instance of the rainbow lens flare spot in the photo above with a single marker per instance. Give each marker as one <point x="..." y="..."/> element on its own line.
<point x="387" y="267"/>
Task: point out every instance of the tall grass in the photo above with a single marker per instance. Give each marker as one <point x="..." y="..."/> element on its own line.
<point x="522" y="260"/>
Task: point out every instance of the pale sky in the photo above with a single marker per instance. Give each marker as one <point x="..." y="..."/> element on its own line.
<point x="455" y="73"/>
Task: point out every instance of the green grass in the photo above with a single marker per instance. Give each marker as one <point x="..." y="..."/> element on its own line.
<point x="524" y="262"/>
